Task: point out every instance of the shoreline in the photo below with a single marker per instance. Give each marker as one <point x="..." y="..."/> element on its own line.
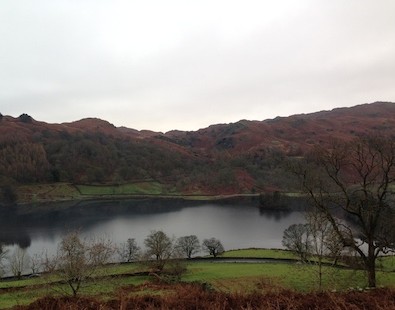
<point x="186" y="197"/>
<point x="31" y="194"/>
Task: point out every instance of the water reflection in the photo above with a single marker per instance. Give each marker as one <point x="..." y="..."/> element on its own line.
<point x="236" y="225"/>
<point x="277" y="215"/>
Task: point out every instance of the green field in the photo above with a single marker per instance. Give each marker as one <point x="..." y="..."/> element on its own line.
<point x="386" y="263"/>
<point x="36" y="193"/>
<point x="229" y="277"/>
<point x="221" y="276"/>
<point x="47" y="192"/>
<point x="64" y="191"/>
<point x="141" y="188"/>
<point x="261" y="253"/>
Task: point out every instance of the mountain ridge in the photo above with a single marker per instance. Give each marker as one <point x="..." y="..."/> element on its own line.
<point x="241" y="157"/>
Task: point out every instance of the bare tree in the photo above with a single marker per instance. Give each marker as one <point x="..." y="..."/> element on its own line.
<point x="324" y="242"/>
<point x="213" y="246"/>
<point x="129" y="251"/>
<point x="74" y="261"/>
<point x="188" y="245"/>
<point x="100" y="251"/>
<point x="296" y="238"/>
<point x="3" y="254"/>
<point x="355" y="177"/>
<point x="19" y="261"/>
<point x="36" y="262"/>
<point x="78" y="260"/>
<point x="49" y="263"/>
<point x="159" y="246"/>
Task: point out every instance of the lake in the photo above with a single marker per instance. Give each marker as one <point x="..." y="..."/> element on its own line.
<point x="237" y="225"/>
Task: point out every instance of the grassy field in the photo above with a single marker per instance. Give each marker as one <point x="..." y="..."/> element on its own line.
<point x="141" y="188"/>
<point x="36" y="193"/>
<point x="47" y="192"/>
<point x="386" y="263"/>
<point x="221" y="276"/>
<point x="261" y="253"/>
<point x="225" y="277"/>
<point x="248" y="277"/>
<point x="64" y="191"/>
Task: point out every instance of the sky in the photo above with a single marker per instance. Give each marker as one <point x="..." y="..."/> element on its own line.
<point x="181" y="64"/>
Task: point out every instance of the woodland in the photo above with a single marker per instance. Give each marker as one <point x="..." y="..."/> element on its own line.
<point x="243" y="157"/>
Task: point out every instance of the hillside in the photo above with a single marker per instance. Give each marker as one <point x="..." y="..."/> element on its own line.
<point x="242" y="157"/>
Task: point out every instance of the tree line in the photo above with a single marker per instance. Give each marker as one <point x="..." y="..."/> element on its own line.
<point x="95" y="158"/>
<point x="79" y="259"/>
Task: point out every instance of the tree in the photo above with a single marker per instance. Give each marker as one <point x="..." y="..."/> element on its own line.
<point x="36" y="262"/>
<point x="3" y="254"/>
<point x="18" y="261"/>
<point x="213" y="246"/>
<point x="78" y="259"/>
<point x="8" y="194"/>
<point x="296" y="238"/>
<point x="355" y="177"/>
<point x="159" y="246"/>
<point x="324" y="242"/>
<point x="188" y="245"/>
<point x="129" y="251"/>
<point x="100" y="251"/>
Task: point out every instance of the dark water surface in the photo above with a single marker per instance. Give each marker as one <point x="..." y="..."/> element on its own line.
<point x="237" y="225"/>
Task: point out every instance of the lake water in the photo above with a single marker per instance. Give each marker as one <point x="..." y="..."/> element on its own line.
<point x="237" y="225"/>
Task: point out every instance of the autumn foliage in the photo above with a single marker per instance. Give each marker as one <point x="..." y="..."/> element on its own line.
<point x="241" y="157"/>
<point x="194" y="296"/>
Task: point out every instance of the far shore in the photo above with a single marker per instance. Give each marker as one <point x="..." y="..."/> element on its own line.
<point x="192" y="197"/>
<point x="64" y="192"/>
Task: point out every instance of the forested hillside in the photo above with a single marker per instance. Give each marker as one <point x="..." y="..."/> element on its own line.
<point x="242" y="157"/>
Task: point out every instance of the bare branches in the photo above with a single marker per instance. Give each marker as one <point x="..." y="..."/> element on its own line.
<point x="355" y="177"/>
<point x="78" y="259"/>
<point x="159" y="246"/>
<point x="129" y="251"/>
<point x="3" y="254"/>
<point x="213" y="246"/>
<point x="296" y="238"/>
<point x="18" y="261"/>
<point x="188" y="245"/>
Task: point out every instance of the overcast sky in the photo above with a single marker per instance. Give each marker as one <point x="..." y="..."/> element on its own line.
<point x="165" y="65"/>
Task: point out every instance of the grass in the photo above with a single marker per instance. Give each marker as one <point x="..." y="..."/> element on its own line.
<point x="386" y="263"/>
<point x="23" y="297"/>
<point x="23" y="292"/>
<point x="21" y="283"/>
<point x="35" y="193"/>
<point x="303" y="278"/>
<point x="141" y="188"/>
<point x="261" y="253"/>
<point x="116" y="269"/>
<point x="64" y="191"/>
<point x="40" y="192"/>
<point x="222" y="276"/>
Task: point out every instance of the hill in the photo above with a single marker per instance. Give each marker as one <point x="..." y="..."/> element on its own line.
<point x="242" y="157"/>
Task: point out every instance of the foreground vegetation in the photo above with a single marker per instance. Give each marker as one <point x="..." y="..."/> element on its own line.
<point x="233" y="284"/>
<point x="196" y="297"/>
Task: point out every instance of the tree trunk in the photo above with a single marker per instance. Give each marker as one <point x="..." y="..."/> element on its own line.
<point x="320" y="274"/>
<point x="371" y="265"/>
<point x="371" y="270"/>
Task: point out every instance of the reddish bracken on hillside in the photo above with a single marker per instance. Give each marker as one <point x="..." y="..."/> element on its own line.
<point x="241" y="157"/>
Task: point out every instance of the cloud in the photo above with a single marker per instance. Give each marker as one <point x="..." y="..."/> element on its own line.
<point x="185" y="65"/>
